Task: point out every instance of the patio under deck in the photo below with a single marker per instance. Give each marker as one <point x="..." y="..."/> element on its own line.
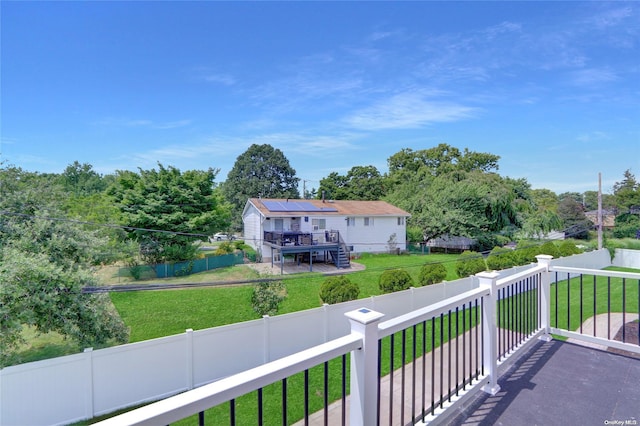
<point x="558" y="383"/>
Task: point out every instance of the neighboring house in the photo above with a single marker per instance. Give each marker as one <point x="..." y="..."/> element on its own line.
<point x="608" y="218"/>
<point x="314" y="228"/>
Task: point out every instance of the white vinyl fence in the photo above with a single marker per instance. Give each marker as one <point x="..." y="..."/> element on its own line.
<point x="76" y="387"/>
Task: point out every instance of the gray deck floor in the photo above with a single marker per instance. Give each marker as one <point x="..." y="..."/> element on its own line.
<point x="560" y="383"/>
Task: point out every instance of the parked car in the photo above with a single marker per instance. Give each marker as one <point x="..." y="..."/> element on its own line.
<point x="221" y="236"/>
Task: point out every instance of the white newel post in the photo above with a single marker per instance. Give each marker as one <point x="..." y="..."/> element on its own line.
<point x="364" y="368"/>
<point x="490" y="330"/>
<point x="545" y="296"/>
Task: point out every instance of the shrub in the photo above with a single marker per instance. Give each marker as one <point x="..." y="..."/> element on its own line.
<point x="568" y="248"/>
<point x="267" y="296"/>
<point x="338" y="289"/>
<point x="432" y="273"/>
<point x="501" y="258"/>
<point x="225" y="247"/>
<point x="526" y="253"/>
<point x="470" y="263"/>
<point x="549" y="248"/>
<point x="394" y="280"/>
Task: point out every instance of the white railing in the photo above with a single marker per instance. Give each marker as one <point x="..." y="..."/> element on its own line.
<point x="367" y="330"/>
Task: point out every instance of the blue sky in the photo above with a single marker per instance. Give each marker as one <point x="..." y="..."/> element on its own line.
<point x="552" y="88"/>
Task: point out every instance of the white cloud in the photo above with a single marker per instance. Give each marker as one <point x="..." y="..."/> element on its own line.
<point x="592" y="136"/>
<point x="406" y="111"/>
<point x="224" y="79"/>
<point x="593" y="76"/>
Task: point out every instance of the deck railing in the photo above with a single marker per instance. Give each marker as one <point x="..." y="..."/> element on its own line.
<point x="415" y="368"/>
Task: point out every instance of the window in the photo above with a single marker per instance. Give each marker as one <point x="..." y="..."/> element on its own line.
<point x="351" y="221"/>
<point x="278" y="224"/>
<point x="319" y="224"/>
<point x="368" y="221"/>
<point x="401" y="221"/>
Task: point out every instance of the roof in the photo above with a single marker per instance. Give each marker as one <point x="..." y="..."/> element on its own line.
<point x="282" y="207"/>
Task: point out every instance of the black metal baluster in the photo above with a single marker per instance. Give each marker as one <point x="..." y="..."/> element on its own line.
<point x="424" y="367"/>
<point x="471" y="344"/>
<point x="441" y="359"/>
<point x="499" y="314"/>
<point x="391" y="356"/>
<point x="433" y="365"/>
<point x="232" y="412"/>
<point x="284" y="402"/>
<point x="609" y="308"/>
<point x="306" y="397"/>
<point x="595" y="309"/>
<point x="512" y="335"/>
<point x="457" y="352"/>
<point x="624" y="309"/>
<point x="568" y="302"/>
<point x="260" y="413"/>
<point x="402" y="372"/>
<point x="581" y="301"/>
<point x="201" y="418"/>
<point x="478" y="328"/>
<point x="449" y="345"/>
<point x="464" y="346"/>
<point x="413" y="378"/>
<point x="556" y="299"/>
<point x="344" y="384"/>
<point x="326" y="393"/>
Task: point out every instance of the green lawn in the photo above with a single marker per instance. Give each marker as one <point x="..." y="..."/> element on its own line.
<point x="611" y="295"/>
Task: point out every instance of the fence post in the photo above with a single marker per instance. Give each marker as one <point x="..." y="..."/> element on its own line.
<point x="364" y="368"/>
<point x="266" y="342"/>
<point x="90" y="395"/>
<point x="189" y="355"/>
<point x="490" y="330"/>
<point x="545" y="296"/>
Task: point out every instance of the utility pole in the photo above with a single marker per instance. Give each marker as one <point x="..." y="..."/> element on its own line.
<point x="599" y="211"/>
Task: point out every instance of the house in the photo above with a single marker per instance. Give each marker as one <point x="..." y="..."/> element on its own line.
<point x="608" y="218"/>
<point x="322" y="229"/>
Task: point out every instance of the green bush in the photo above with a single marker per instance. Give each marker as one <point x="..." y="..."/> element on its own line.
<point x="568" y="248"/>
<point x="526" y="253"/>
<point x="470" y="263"/>
<point x="394" y="280"/>
<point x="225" y="247"/>
<point x="501" y="258"/>
<point x="338" y="289"/>
<point x="266" y="297"/>
<point x="432" y="273"/>
<point x="549" y="248"/>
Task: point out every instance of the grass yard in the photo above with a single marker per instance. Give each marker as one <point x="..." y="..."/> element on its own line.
<point x="608" y="295"/>
<point x="152" y="314"/>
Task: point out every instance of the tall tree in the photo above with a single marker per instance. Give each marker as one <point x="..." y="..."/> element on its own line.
<point x="45" y="262"/>
<point x="81" y="179"/>
<point x="627" y="192"/>
<point x="576" y="224"/>
<point x="167" y="209"/>
<point x="360" y="183"/>
<point x="261" y="171"/>
<point x="440" y="160"/>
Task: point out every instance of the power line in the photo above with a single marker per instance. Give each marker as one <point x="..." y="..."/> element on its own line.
<point x="106" y="225"/>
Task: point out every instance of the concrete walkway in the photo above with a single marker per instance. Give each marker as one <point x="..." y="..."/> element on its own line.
<point x="291" y="267"/>
<point x="612" y="321"/>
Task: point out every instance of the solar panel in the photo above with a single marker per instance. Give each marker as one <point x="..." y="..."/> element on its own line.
<point x="296" y="206"/>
